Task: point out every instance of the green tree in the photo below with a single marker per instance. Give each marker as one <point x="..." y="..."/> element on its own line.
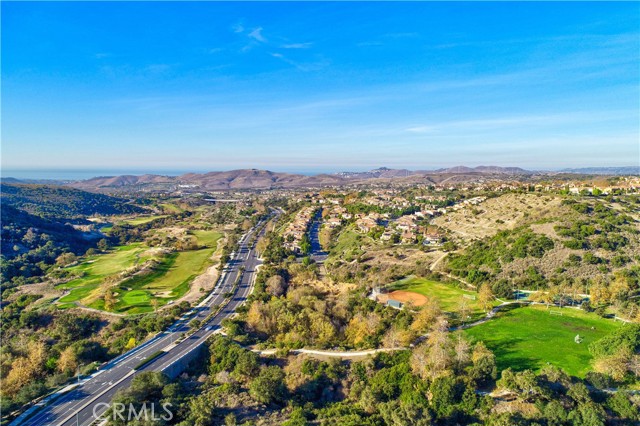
<point x="247" y="364"/>
<point x="269" y="386"/>
<point x="305" y="245"/>
<point x="555" y="414"/>
<point x="620" y="404"/>
<point x="484" y="364"/>
<point x="146" y="390"/>
<point x="443" y="396"/>
<point x="402" y="413"/>
<point x="202" y="409"/>
<point x="66" y="259"/>
<point x="579" y="393"/>
<point x="588" y="414"/>
<point x="523" y="383"/>
<point x="148" y="386"/>
<point x="103" y="245"/>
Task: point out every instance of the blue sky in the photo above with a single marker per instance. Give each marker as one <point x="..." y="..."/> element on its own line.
<point x="312" y="87"/>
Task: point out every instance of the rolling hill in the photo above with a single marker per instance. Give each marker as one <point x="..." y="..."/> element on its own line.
<point x="265" y="179"/>
<point x="52" y="201"/>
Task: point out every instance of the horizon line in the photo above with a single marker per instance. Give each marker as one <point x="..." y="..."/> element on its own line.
<point x="90" y="173"/>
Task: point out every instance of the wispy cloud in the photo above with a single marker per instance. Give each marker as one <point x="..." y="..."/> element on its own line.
<point x="256" y="38"/>
<point x="102" y="55"/>
<point x="284" y="59"/>
<point x="256" y="34"/>
<point x="237" y="28"/>
<point x="297" y="46"/>
<point x="421" y="129"/>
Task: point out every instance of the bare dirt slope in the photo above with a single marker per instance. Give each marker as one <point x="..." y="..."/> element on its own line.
<point x="495" y="214"/>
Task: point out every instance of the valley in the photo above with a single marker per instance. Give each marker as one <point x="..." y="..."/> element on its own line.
<point x="492" y="284"/>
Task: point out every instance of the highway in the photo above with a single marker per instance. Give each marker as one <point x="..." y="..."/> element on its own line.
<point x="77" y="406"/>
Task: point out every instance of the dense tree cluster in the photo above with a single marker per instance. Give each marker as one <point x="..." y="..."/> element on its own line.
<point x="43" y="348"/>
<point x="62" y="202"/>
<point x="484" y="259"/>
<point x="31" y="245"/>
<point x="444" y="381"/>
<point x="618" y="355"/>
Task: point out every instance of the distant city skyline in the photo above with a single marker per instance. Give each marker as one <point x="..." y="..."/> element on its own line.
<point x="318" y="87"/>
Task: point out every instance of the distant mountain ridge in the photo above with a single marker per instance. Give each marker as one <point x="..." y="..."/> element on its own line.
<point x="232" y="179"/>
<point x="123" y="180"/>
<point x="266" y="179"/>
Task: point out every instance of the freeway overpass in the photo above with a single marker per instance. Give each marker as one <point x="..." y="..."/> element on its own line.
<point x="77" y="406"/>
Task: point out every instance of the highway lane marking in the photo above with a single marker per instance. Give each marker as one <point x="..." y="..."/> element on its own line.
<point x="130" y="373"/>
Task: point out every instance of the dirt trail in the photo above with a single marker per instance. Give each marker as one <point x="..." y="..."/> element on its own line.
<point x="438" y="260"/>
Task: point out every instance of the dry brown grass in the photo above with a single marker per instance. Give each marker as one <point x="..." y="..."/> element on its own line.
<point x="547" y="229"/>
<point x="542" y="213"/>
<point x="528" y="410"/>
<point x="45" y="289"/>
<point x="505" y="212"/>
<point x="400" y="256"/>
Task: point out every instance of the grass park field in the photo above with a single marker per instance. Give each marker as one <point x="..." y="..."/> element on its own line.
<point x="449" y="296"/>
<point x="169" y="279"/>
<point x="532" y="336"/>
